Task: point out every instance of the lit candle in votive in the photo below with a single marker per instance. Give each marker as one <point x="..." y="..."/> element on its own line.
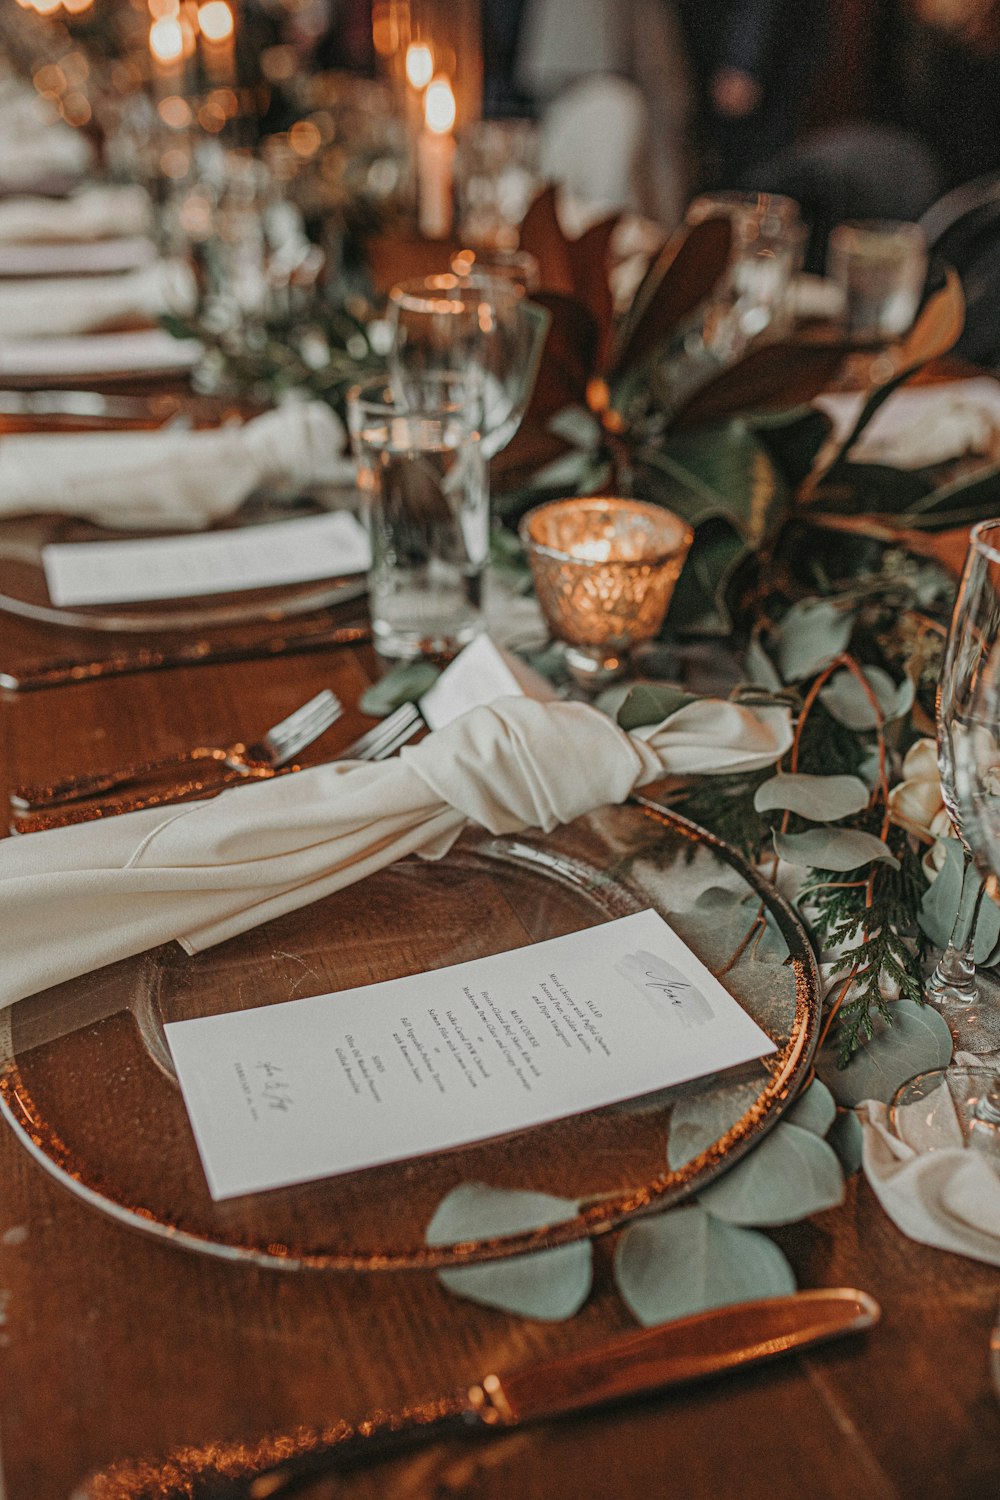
<point x="218" y="41"/>
<point x="436" y="159"/>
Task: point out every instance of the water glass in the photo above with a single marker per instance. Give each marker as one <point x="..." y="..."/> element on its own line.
<point x="496" y="176"/>
<point x="422" y="476"/>
<point x="880" y="266"/>
<point x="768" y="249"/>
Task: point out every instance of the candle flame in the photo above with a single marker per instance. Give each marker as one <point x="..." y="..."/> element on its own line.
<point x="215" y="21"/>
<point x="47" y="7"/>
<point x="419" y="65"/>
<point x="439" y="106"/>
<point x="166" y="39"/>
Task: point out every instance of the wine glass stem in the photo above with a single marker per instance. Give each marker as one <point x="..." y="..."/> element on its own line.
<point x="953" y="981"/>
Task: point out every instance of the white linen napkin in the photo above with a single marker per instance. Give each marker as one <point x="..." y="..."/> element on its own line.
<point x="923" y="425"/>
<point x="57" y="306"/>
<point x="34" y="141"/>
<point x="76" y="898"/>
<point x="89" y="355"/>
<point x="171" y="478"/>
<point x="94" y="213"/>
<point x="947" y="1198"/>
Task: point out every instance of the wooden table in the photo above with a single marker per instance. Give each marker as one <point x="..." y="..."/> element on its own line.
<point x="115" y="1345"/>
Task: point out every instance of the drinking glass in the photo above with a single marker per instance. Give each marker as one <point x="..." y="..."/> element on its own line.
<point x="946" y="1108"/>
<point x="422" y="476"/>
<point x="481" y="330"/>
<point x="768" y="249"/>
<point x="880" y="266"/>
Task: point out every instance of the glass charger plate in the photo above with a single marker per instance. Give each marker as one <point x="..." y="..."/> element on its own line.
<point x="24" y="592"/>
<point x="88" y="1085"/>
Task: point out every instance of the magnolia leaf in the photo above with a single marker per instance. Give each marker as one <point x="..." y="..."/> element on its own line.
<point x="568" y="358"/>
<point x="838" y="849"/>
<point x="815" y="1109"/>
<point x="699" y="1121"/>
<point x="823" y="799"/>
<point x="918" y="1039"/>
<point x="541" y="236"/>
<point x="847" y="1139"/>
<point x="547" y="1284"/>
<point x="588" y="256"/>
<point x="685" y="1261"/>
<point x="650" y="703"/>
<point x="791" y="1174"/>
<point x="845" y="699"/>
<point x="781" y="374"/>
<point x="811" y="634"/>
<point x="682" y="275"/>
<point x="404" y="684"/>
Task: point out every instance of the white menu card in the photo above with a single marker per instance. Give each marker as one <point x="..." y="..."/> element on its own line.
<point x="335" y="1083"/>
<point x="214" y="562"/>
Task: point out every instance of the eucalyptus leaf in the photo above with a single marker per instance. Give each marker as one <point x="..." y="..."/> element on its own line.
<point x="791" y="1174"/>
<point x="404" y="684"/>
<point x="815" y="1109"/>
<point x="685" y="1261"/>
<point x="811" y="634"/>
<point x="987" y="934"/>
<point x="942" y="899"/>
<point x="847" y="1139"/>
<point x="839" y="849"/>
<point x="700" y="1120"/>
<point x="760" y="669"/>
<point x="823" y="799"/>
<point x="548" y="1284"/>
<point x="918" y="1039"/>
<point x="650" y="703"/>
<point x="845" y="699"/>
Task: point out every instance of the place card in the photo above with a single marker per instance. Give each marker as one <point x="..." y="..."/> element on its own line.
<point x="215" y="562"/>
<point x="479" y="675"/>
<point x="337" y="1083"/>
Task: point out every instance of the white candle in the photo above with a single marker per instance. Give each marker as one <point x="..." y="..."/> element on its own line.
<point x="436" y="160"/>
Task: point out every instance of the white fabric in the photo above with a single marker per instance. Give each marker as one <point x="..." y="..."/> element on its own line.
<point x="170" y="478"/>
<point x="60" y="306"/>
<point x="76" y="898"/>
<point x="948" y="1198"/>
<point x="593" y="136"/>
<point x="923" y="425"/>
<point x="140" y="351"/>
<point x="95" y="213"/>
<point x="34" y="142"/>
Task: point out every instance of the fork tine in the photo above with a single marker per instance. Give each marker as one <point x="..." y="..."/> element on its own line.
<point x="365" y="745"/>
<point x="387" y="747"/>
<point x="293" y="734"/>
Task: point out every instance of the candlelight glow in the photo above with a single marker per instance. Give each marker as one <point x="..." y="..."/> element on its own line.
<point x="47" y="7"/>
<point x="77" y="7"/>
<point x="166" y="39"/>
<point x="439" y="106"/>
<point x="419" y="65"/>
<point x="216" y="21"/>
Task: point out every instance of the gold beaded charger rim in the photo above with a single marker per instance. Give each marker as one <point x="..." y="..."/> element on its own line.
<point x="87" y="1085"/>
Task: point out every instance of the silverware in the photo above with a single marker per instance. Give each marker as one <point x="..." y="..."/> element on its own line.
<point x="378" y="743"/>
<point x="282" y="742"/>
<point x="45" y="674"/>
<point x="711" y="1343"/>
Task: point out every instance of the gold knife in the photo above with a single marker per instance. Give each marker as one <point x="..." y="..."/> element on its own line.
<point x="716" y="1342"/>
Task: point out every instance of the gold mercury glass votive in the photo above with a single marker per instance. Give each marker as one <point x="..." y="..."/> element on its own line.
<point x="604" y="572"/>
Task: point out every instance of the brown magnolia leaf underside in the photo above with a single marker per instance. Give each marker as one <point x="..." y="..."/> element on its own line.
<point x="771" y="377"/>
<point x="682" y="275"/>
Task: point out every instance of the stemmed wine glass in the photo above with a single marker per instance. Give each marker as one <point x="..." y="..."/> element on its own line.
<point x="480" y="333"/>
<point x="961" y="1105"/>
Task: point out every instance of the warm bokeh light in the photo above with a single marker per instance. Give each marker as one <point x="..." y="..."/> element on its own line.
<point x="215" y="20"/>
<point x="76" y="7"/>
<point x="160" y="8"/>
<point x="47" y="7"/>
<point x="166" y="39"/>
<point x="419" y="65"/>
<point x="439" y="106"/>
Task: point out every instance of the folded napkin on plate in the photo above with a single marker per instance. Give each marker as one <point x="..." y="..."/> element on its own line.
<point x="58" y="306"/>
<point x="171" y="478"/>
<point x="948" y="1198"/>
<point x="923" y="425"/>
<point x="34" y="141"/>
<point x="76" y="898"/>
<point x="94" y="213"/>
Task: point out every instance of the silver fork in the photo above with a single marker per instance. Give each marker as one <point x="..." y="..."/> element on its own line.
<point x="280" y="745"/>
<point x="376" y="744"/>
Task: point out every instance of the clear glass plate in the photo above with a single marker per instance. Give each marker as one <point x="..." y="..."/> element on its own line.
<point x="89" y="1088"/>
<point x="23" y="589"/>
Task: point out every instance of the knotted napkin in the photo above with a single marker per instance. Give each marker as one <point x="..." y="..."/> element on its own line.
<point x="76" y="898"/>
<point x="168" y="478"/>
<point x="94" y="213"/>
<point x="57" y="306"/>
<point x="948" y="1198"/>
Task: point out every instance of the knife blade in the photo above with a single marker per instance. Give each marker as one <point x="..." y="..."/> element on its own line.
<point x="716" y="1342"/>
<point x="86" y="405"/>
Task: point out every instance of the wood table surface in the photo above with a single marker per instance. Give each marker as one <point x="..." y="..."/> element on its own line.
<point x="114" y="1345"/>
